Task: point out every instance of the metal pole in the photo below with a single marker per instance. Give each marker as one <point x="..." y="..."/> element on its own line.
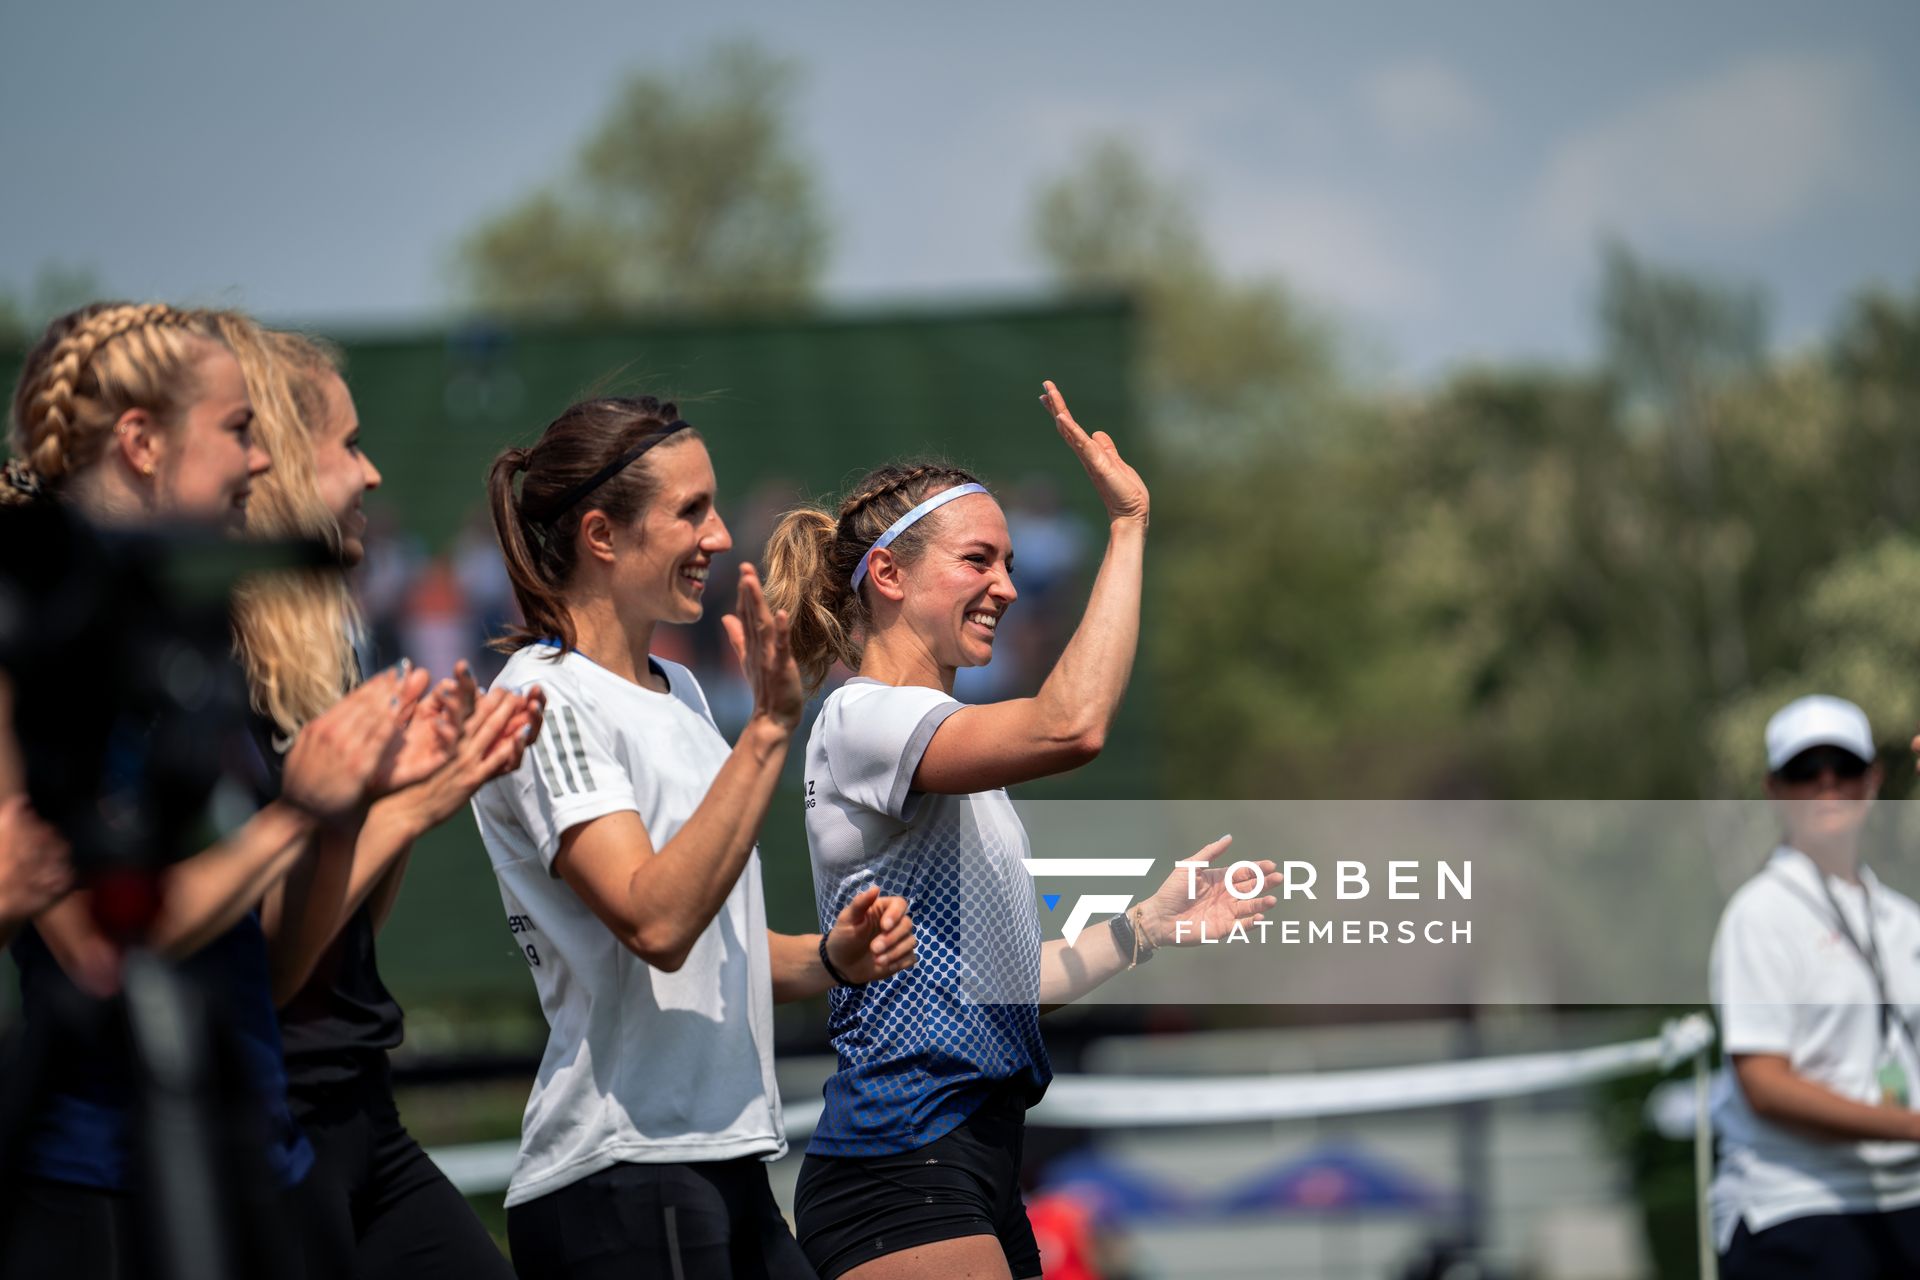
<point x="1703" y="1169"/>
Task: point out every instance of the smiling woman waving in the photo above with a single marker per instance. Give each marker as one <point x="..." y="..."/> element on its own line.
<point x="625" y="849"/>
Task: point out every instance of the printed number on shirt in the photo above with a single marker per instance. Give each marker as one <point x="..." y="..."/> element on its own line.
<point x="520" y="925"/>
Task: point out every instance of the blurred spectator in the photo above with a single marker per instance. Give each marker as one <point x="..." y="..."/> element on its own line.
<point x="487" y="590"/>
<point x="394" y="556"/>
<point x="1063" y="1227"/>
<point x="436" y="629"/>
<point x="1813" y="968"/>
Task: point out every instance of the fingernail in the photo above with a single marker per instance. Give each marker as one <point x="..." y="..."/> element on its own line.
<point x="406" y="665"/>
<point x="1228" y="836"/>
<point x="526" y="731"/>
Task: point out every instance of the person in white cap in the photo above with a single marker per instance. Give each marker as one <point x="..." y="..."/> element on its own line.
<point x="1814" y="966"/>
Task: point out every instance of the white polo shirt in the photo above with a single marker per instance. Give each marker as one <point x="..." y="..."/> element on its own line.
<point x="1786" y="981"/>
<point x="641" y="1065"/>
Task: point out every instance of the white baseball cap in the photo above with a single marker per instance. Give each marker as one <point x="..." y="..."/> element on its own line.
<point x="1818" y="721"/>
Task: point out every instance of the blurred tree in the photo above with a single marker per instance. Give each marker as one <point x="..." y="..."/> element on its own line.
<point x="1671" y="342"/>
<point x="1260" y="626"/>
<point x="1859" y="629"/>
<point x="1226" y="361"/>
<point x="689" y="191"/>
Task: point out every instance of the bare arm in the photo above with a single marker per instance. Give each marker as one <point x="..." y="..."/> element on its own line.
<point x="205" y="896"/>
<point x="34" y="870"/>
<point x="386" y="890"/>
<point x="1069" y="971"/>
<point x="872" y="939"/>
<point x="1778" y="1093"/>
<point x="474" y="765"/>
<point x="658" y="903"/>
<point x="1063" y="726"/>
<point x="327" y="775"/>
<point x="351" y="866"/>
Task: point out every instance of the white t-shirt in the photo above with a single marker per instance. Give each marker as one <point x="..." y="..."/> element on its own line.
<point x="921" y="1050"/>
<point x="641" y="1065"/>
<point x="1786" y="981"/>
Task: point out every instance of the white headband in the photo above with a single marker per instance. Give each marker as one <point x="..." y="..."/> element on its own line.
<point x="901" y="525"/>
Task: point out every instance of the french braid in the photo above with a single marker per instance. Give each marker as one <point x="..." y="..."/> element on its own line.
<point x="91" y="366"/>
<point x="812" y="555"/>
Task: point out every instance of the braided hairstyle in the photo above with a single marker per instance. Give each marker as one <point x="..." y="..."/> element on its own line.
<point x="541" y="543"/>
<point x="812" y="555"/>
<point x="90" y="367"/>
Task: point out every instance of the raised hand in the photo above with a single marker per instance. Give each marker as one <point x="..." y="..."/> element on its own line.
<point x="335" y="757"/>
<point x="766" y="659"/>
<point x="1119" y="485"/>
<point x="873" y="937"/>
<point x="1204" y="902"/>
<point x="34" y="871"/>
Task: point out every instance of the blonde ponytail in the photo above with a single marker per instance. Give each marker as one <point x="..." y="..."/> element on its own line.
<point x="812" y="555"/>
<point x="821" y="611"/>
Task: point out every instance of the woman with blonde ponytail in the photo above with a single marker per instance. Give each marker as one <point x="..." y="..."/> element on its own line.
<point x="373" y="1193"/>
<point x="914" y="1167"/>
<point x="625" y="851"/>
<point x="136" y="413"/>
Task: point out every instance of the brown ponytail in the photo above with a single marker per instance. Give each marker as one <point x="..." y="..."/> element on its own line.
<point x="812" y="555"/>
<point x="538" y="541"/>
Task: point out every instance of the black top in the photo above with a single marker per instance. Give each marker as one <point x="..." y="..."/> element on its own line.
<point x="336" y="1031"/>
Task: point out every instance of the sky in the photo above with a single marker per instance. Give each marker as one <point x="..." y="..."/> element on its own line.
<point x="1436" y="179"/>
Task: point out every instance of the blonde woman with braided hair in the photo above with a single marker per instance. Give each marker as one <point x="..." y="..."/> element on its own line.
<point x="130" y="414"/>
<point x="914" y="1167"/>
<point x="373" y="1191"/>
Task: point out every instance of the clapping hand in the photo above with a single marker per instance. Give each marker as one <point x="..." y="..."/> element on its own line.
<point x="766" y="659"/>
<point x="333" y="767"/>
<point x="492" y="735"/>
<point x="873" y="938"/>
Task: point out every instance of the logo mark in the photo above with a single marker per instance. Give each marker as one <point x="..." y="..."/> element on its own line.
<point x="1087" y="868"/>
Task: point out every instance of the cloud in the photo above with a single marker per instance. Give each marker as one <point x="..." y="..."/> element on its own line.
<point x="1332" y="244"/>
<point x="1424" y="102"/>
<point x="1747" y="150"/>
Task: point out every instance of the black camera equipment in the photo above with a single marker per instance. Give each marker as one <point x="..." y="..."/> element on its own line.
<point x="130" y="710"/>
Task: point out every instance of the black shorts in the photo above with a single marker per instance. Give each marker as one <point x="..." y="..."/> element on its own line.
<point x="1833" y="1246"/>
<point x="697" y="1221"/>
<point x="375" y="1206"/>
<point x="853" y="1209"/>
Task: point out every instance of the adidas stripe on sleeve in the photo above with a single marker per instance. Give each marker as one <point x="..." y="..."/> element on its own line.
<point x="569" y="777"/>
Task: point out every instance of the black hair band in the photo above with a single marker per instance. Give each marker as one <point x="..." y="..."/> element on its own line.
<point x="565" y="502"/>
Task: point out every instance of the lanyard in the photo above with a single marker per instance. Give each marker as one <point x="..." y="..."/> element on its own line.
<point x="1869" y="953"/>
